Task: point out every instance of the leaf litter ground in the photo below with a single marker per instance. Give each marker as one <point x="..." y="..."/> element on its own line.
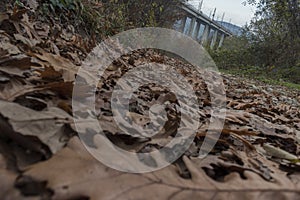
<point x="41" y="156"/>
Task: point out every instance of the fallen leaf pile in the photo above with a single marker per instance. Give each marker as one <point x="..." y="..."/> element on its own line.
<point x="41" y="156"/>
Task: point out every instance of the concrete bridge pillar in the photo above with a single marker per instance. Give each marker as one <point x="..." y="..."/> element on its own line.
<point x="214" y="39"/>
<point x="182" y="25"/>
<point x="192" y="26"/>
<point x="221" y="40"/>
<point x="205" y="35"/>
<point x="197" y="31"/>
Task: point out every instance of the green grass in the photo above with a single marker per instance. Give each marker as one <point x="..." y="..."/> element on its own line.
<point x="256" y="73"/>
<point x="282" y="83"/>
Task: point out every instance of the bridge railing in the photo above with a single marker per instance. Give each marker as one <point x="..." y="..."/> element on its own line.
<point x="201" y="27"/>
<point x="191" y="7"/>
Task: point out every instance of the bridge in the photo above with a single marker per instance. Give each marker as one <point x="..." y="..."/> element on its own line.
<point x="201" y="28"/>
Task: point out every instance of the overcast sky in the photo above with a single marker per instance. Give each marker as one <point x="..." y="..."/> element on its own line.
<point x="234" y="10"/>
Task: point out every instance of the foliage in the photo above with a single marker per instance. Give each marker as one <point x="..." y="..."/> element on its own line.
<point x="149" y="12"/>
<point x="271" y="41"/>
<point x="276" y="32"/>
<point x="108" y="17"/>
<point x="284" y="77"/>
<point x="234" y="53"/>
<point x="65" y="4"/>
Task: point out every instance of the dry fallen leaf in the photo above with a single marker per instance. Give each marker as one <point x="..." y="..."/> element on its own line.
<point x="74" y="173"/>
<point x="16" y="65"/>
<point x="60" y="64"/>
<point x="38" y="65"/>
<point x="15" y="88"/>
<point x="7" y="182"/>
<point x="29" y="42"/>
<point x="48" y="126"/>
<point x="33" y="4"/>
<point x="7" y="46"/>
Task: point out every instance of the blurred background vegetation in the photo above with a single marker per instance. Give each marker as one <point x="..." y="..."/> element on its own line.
<point x="108" y="17"/>
<point x="269" y="47"/>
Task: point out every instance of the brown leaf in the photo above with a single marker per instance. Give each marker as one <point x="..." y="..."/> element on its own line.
<point x="49" y="74"/>
<point x="65" y="166"/>
<point x="16" y="65"/>
<point x="7" y="185"/>
<point x="48" y="125"/>
<point x="64" y="89"/>
<point x="29" y="42"/>
<point x="33" y="4"/>
<point x="60" y="64"/>
<point x="7" y="46"/>
<point x="7" y="182"/>
<point x="3" y="16"/>
<point x="15" y="88"/>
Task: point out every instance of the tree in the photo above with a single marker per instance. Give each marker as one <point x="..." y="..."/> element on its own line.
<point x="147" y="12"/>
<point x="276" y="32"/>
